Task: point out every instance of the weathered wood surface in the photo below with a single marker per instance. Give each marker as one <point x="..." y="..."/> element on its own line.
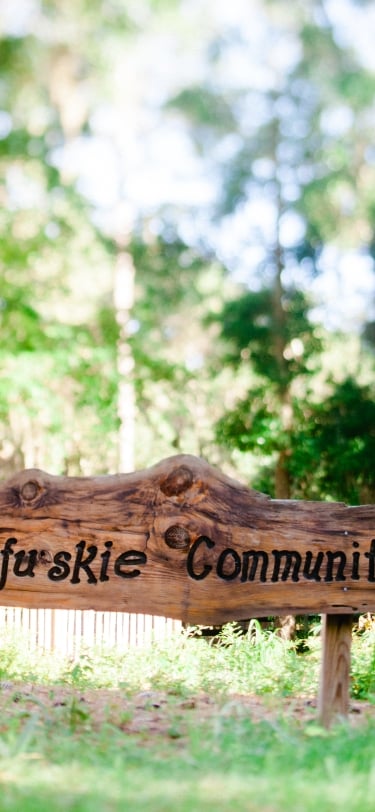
<point x="334" y="686"/>
<point x="181" y="540"/>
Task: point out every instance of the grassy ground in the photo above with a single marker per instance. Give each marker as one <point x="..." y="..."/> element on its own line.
<point x="184" y="726"/>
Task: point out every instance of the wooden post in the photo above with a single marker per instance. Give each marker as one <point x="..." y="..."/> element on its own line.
<point x="335" y="667"/>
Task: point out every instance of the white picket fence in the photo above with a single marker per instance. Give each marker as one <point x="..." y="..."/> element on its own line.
<point x="68" y="630"/>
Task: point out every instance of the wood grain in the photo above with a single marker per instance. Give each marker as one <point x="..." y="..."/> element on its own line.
<point x="181" y="540"/>
<point x="333" y="698"/>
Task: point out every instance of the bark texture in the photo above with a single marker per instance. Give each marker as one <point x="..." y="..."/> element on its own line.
<point x="180" y="540"/>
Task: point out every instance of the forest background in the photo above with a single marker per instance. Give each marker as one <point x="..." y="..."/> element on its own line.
<point x="188" y="239"/>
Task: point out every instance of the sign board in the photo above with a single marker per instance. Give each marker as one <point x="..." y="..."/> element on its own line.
<point x="183" y="541"/>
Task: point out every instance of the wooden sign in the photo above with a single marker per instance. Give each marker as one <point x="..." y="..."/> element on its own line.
<point x="180" y="540"/>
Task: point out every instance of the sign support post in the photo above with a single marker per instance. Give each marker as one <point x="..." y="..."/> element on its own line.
<point x="334" y="690"/>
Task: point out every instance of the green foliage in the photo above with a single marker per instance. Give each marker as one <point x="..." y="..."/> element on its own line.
<point x="58" y="386"/>
<point x="254" y="425"/>
<point x="257" y="662"/>
<point x="330" y="446"/>
<point x="207" y="110"/>
<point x="251" y="324"/>
<point x="301" y="140"/>
<point x="363" y="659"/>
<point x="333" y="445"/>
<point x="168" y="270"/>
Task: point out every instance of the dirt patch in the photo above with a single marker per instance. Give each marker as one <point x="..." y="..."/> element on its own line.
<point x="155" y="713"/>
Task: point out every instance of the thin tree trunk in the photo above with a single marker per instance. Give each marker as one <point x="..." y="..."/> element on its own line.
<point x="282" y="480"/>
<point x="286" y="624"/>
<point x="124" y="301"/>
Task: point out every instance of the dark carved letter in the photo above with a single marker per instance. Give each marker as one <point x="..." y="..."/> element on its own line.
<point x="220" y="569"/>
<point x="31" y="559"/>
<point x="126" y="560"/>
<point x="61" y="569"/>
<point x="84" y="564"/>
<point x="198" y="576"/>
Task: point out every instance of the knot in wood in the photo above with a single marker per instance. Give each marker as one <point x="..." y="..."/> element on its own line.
<point x="45" y="558"/>
<point x="30" y="490"/>
<point x="177" y="537"/>
<point x="177" y="481"/>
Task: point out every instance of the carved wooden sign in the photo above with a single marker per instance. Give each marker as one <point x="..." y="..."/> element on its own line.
<point x="181" y="540"/>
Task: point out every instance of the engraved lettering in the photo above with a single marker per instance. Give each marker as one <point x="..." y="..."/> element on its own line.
<point x="234" y="565"/>
<point x="198" y="576"/>
<point x="105" y="561"/>
<point x="31" y="559"/>
<point x="371" y="562"/>
<point x="228" y="564"/>
<point x="292" y="558"/>
<point x="128" y="559"/>
<point x="341" y="558"/>
<point x="84" y="564"/>
<point x="61" y="570"/>
<point x="255" y="555"/>
<point x="6" y="553"/>
<point x="312" y="575"/>
<point x="355" y="564"/>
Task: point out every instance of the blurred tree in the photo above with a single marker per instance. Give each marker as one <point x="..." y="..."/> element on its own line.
<point x="287" y="151"/>
<point x="91" y="314"/>
<point x="335" y="439"/>
<point x="290" y="139"/>
<point x="176" y="284"/>
<point x="59" y="379"/>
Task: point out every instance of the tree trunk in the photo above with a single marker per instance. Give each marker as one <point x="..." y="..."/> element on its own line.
<point x="286" y="624"/>
<point x="124" y="301"/>
<point x="282" y="482"/>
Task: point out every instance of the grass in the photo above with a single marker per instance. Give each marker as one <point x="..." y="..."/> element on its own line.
<point x="183" y="726"/>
